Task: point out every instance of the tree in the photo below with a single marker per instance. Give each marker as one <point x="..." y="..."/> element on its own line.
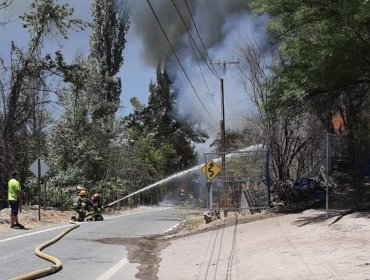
<point x="157" y="136"/>
<point x="25" y="88"/>
<point x="106" y="46"/>
<point x="4" y="5"/>
<point x="325" y="50"/>
<point x="70" y="149"/>
<point x="107" y="43"/>
<point x="89" y="150"/>
<point x="165" y="126"/>
<point x="288" y="133"/>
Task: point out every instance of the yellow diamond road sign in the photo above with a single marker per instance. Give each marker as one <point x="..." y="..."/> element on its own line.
<point x="210" y="169"/>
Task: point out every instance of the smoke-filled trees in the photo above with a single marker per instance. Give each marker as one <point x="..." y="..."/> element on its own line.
<point x="158" y="139"/>
<point x="85" y="136"/>
<point x="164" y="125"/>
<point x="287" y="132"/>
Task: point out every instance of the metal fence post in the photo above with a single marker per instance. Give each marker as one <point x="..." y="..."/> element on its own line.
<point x="267" y="174"/>
<point x="209" y="195"/>
<point x="61" y="200"/>
<point x="357" y="173"/>
<point x="327" y="173"/>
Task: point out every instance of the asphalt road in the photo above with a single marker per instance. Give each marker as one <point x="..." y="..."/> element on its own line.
<point x="95" y="250"/>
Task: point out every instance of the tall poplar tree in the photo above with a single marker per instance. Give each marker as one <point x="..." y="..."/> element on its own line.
<point x="106" y="47"/>
<point x="85" y="151"/>
<point x="107" y="42"/>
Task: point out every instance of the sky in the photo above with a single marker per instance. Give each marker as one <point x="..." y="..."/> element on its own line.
<point x="223" y="27"/>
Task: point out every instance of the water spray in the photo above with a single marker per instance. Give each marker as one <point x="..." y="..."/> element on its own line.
<point x="182" y="173"/>
<point x="176" y="175"/>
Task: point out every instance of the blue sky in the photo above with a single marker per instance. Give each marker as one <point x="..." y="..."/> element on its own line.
<point x="223" y="29"/>
<point x="136" y="74"/>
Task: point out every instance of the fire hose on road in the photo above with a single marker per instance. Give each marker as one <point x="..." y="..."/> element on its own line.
<point x="57" y="263"/>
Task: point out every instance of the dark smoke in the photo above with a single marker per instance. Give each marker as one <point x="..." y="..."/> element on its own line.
<point x="209" y="15"/>
<point x="224" y="26"/>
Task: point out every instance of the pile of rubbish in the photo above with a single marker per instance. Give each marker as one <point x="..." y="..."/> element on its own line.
<point x="211" y="215"/>
<point x="302" y="190"/>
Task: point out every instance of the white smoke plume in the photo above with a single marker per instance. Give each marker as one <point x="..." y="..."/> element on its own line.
<point x="223" y="27"/>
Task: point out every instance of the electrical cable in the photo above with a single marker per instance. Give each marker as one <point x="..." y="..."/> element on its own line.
<point x="205" y="81"/>
<point x="178" y="60"/>
<point x="200" y="38"/>
<point x="192" y="44"/>
<point x="213" y="71"/>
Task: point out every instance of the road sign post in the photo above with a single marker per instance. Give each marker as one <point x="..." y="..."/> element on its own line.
<point x="211" y="170"/>
<point x="39" y="169"/>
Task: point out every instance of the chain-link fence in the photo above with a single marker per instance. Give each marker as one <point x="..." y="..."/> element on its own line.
<point x="242" y="182"/>
<point x="347" y="172"/>
<point x="3" y="195"/>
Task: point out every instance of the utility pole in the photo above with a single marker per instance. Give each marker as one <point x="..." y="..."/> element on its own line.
<point x="222" y="122"/>
<point x="224" y="201"/>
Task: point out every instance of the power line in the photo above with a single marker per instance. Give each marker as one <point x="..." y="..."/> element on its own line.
<point x="200" y="38"/>
<point x="205" y="81"/>
<point x="178" y="60"/>
<point x="213" y="70"/>
<point x="238" y="103"/>
<point x="192" y="44"/>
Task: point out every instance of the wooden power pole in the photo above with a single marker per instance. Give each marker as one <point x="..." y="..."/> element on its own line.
<point x="222" y="122"/>
<point x="224" y="201"/>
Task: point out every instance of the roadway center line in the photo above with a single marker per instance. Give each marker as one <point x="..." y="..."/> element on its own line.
<point x="136" y="213"/>
<point x="113" y="270"/>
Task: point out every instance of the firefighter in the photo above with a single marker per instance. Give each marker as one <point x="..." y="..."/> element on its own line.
<point x="182" y="196"/>
<point x="98" y="207"/>
<point x="96" y="199"/>
<point x="83" y="205"/>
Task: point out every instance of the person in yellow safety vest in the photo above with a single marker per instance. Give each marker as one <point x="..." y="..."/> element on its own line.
<point x="15" y="200"/>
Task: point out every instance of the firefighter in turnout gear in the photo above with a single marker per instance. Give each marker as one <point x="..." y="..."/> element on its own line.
<point x="98" y="207"/>
<point x="83" y="206"/>
<point x="182" y="196"/>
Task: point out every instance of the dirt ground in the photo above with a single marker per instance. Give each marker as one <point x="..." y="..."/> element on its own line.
<point x="270" y="245"/>
<point x="143" y="251"/>
<point x="304" y="245"/>
<point x="29" y="217"/>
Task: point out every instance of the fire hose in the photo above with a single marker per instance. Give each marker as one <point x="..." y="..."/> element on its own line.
<point x="57" y="263"/>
